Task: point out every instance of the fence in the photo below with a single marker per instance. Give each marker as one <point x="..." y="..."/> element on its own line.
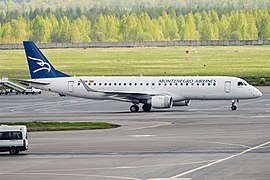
<point x="142" y="44"/>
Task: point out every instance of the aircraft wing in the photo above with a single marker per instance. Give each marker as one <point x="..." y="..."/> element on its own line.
<point x="127" y="96"/>
<point x="122" y="95"/>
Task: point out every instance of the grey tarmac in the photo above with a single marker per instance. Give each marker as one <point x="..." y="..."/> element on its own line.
<point x="205" y="140"/>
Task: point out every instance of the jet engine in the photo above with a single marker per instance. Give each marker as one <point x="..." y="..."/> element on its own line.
<point x="161" y="101"/>
<point x="182" y="103"/>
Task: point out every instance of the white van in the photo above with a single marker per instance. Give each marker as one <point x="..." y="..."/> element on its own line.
<point x="31" y="90"/>
<point x="13" y="139"/>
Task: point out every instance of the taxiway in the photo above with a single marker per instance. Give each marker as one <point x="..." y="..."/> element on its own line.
<point x="205" y="140"/>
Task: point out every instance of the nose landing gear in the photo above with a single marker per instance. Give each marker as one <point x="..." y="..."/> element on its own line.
<point x="234" y="107"/>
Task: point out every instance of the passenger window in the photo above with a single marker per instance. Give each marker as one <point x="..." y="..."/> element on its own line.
<point x="10" y="135"/>
<point x="4" y="136"/>
<point x="1" y="136"/>
<point x="16" y="135"/>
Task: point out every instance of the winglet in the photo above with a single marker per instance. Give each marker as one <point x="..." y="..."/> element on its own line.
<point x="87" y="87"/>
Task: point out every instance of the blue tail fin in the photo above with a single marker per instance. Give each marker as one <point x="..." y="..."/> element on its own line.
<point x="39" y="66"/>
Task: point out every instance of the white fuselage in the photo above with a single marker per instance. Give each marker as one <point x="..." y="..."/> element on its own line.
<point x="178" y="87"/>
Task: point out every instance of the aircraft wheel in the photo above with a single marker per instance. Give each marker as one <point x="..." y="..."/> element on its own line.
<point x="134" y="108"/>
<point x="233" y="108"/>
<point x="146" y="107"/>
<point x="234" y="104"/>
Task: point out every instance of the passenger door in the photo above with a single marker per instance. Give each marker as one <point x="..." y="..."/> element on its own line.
<point x="70" y="86"/>
<point x="227" y="86"/>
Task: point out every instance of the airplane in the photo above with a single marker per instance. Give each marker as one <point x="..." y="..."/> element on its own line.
<point x="153" y="92"/>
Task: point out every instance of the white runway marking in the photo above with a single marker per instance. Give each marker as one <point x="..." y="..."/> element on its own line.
<point x="224" y="143"/>
<point x="154" y="126"/>
<point x="260" y="116"/>
<point x="112" y="168"/>
<point x="220" y="160"/>
<point x="142" y="135"/>
<point x="170" y="179"/>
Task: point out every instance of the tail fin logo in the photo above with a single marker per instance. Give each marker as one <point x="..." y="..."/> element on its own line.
<point x="43" y="65"/>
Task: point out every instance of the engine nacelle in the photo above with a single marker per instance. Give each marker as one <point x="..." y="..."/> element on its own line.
<point x="182" y="103"/>
<point x="161" y="101"/>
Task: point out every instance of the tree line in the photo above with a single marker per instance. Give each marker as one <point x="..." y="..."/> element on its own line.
<point x="76" y="25"/>
<point x="134" y="5"/>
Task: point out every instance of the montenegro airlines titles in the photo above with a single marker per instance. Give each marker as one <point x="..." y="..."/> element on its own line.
<point x="152" y="92"/>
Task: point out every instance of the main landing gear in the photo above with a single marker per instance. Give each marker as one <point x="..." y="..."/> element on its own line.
<point x="134" y="108"/>
<point x="145" y="107"/>
<point x="234" y="107"/>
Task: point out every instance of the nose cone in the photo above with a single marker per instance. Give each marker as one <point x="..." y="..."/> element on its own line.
<point x="257" y="93"/>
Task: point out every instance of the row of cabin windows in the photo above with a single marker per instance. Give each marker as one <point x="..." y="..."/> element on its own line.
<point x="147" y="84"/>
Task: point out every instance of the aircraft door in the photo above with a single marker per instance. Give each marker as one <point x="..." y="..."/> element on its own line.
<point x="227" y="86"/>
<point x="70" y="86"/>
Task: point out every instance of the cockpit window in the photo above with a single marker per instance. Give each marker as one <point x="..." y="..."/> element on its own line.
<point x="241" y="83"/>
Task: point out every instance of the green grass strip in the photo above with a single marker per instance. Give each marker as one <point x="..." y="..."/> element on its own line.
<point x="35" y="126"/>
<point x="251" y="63"/>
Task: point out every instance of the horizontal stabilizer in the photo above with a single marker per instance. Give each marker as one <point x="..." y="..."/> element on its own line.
<point x="31" y="81"/>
